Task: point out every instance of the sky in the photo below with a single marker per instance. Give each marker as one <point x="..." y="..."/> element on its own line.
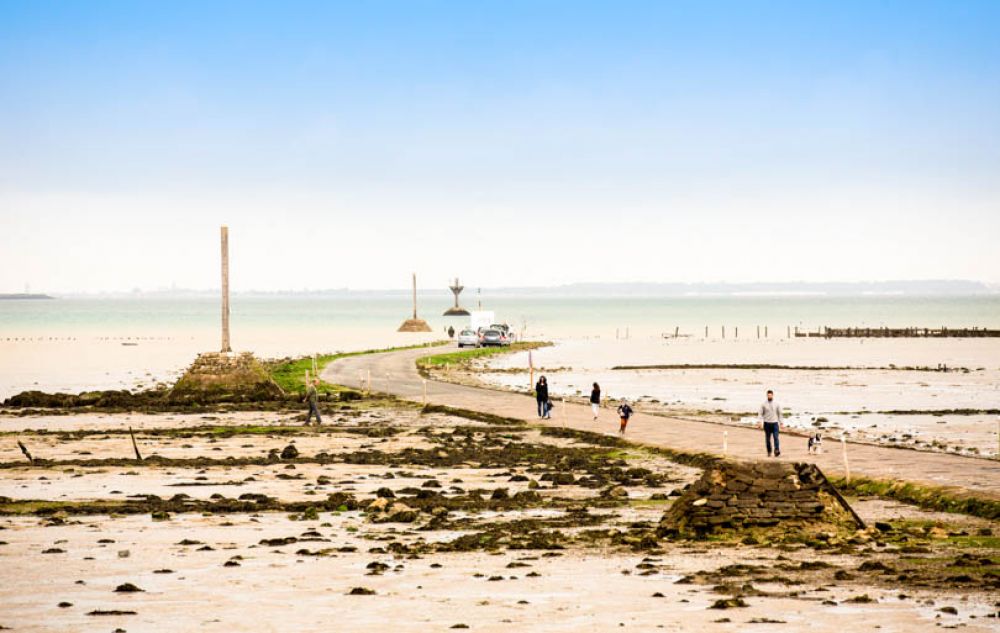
<point x="509" y="143"/>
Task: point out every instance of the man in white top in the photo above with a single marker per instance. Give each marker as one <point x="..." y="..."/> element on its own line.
<point x="770" y="421"/>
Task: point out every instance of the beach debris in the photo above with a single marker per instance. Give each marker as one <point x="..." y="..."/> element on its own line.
<point x="128" y="588"/>
<point x="289" y="452"/>
<point x="100" y="612"/>
<point x="24" y="451"/>
<point x="135" y="446"/>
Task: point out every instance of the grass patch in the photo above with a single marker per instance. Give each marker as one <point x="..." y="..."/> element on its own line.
<point x="977" y="542"/>
<point x="291" y="374"/>
<point x="464" y="357"/>
<point x="927" y="497"/>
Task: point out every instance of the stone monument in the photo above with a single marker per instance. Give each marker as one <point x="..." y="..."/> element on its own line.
<point x="457" y="310"/>
<point x="223" y="375"/>
<point x="415" y="324"/>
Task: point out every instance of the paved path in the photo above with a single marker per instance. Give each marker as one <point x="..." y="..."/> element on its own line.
<point x="396" y="373"/>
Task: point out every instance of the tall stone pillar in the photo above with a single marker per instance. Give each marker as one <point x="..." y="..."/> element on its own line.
<point x="415" y="324"/>
<point x="226" y="347"/>
<point x="414" y="295"/>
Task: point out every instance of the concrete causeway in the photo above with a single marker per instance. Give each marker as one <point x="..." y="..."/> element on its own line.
<point x="396" y="373"/>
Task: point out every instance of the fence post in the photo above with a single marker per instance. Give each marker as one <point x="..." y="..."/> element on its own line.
<point x="847" y="466"/>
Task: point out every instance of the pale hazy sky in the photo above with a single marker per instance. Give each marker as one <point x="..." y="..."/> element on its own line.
<point x="510" y="143"/>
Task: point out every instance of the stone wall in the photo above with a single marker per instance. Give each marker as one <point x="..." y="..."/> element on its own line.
<point x="735" y="494"/>
<point x="222" y="376"/>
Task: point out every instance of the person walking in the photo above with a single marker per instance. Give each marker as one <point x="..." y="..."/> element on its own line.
<point x="595" y="400"/>
<point x="542" y="396"/>
<point x="312" y="396"/>
<point x="770" y="421"/>
<point x="624" y="412"/>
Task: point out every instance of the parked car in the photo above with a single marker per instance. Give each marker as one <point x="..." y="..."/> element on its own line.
<point x="504" y="329"/>
<point x="494" y="338"/>
<point x="468" y="338"/>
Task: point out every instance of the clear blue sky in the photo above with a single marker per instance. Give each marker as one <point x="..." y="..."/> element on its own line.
<point x="510" y="143"/>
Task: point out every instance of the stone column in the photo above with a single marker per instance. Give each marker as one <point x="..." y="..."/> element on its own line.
<point x="226" y="347"/>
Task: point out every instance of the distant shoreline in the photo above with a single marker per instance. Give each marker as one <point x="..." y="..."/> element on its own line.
<point x="17" y="296"/>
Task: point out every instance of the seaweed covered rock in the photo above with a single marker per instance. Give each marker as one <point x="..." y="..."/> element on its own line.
<point x="735" y="495"/>
<point x="109" y="399"/>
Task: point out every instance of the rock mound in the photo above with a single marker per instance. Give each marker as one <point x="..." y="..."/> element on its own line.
<point x="220" y="376"/>
<point x="414" y="325"/>
<point x="735" y="495"/>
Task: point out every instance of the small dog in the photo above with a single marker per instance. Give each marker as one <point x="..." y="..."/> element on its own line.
<point x="815" y="444"/>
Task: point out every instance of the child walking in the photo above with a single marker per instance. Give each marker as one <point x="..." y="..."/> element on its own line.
<point x="625" y="412"/>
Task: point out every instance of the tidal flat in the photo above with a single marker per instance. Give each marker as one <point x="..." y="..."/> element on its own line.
<point x="418" y="519"/>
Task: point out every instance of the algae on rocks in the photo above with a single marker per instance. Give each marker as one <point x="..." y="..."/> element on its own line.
<point x="742" y="494"/>
<point x="225" y="376"/>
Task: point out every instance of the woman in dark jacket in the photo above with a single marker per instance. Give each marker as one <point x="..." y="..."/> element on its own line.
<point x="542" y="395"/>
<point x="595" y="400"/>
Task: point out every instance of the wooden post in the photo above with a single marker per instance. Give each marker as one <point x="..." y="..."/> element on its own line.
<point x="135" y="446"/>
<point x="736" y="332"/>
<point x="758" y="331"/>
<point x="847" y="466"/>
<point x="723" y="332"/>
<point x="226" y="347"/>
<point x="706" y="331"/>
<point x="765" y="331"/>
<point x="788" y="334"/>
<point x="24" y="451"/>
<point x="531" y="372"/>
<point x="677" y="331"/>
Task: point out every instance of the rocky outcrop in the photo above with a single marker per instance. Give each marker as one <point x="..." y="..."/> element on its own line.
<point x="734" y="494"/>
